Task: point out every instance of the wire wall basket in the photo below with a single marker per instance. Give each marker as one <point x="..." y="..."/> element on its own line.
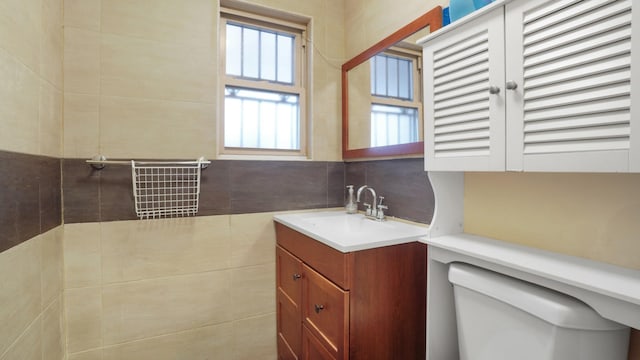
<point x="167" y="189"/>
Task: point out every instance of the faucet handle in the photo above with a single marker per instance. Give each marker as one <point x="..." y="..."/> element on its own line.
<point x="368" y="209"/>
<point x="380" y="212"/>
<point x="380" y="209"/>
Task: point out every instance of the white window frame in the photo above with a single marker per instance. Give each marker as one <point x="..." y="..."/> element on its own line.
<point x="275" y="21"/>
<point x="416" y="58"/>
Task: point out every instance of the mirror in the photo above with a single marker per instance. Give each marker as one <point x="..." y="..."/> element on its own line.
<point x="382" y="95"/>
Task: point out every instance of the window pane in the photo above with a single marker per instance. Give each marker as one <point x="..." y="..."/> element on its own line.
<point x="288" y="127"/>
<point x="267" y="138"/>
<point x="391" y="125"/>
<point x="260" y="54"/>
<point x="285" y="59"/>
<point x="250" y="58"/>
<point x="392" y="77"/>
<point x="261" y="119"/>
<point x="232" y="121"/>
<point x="405" y="88"/>
<point x="374" y="74"/>
<point x="250" y="121"/>
<point x="268" y="56"/>
<point x="234" y="50"/>
<point x="381" y="76"/>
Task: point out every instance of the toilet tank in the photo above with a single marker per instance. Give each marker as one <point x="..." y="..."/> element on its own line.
<point x="502" y="318"/>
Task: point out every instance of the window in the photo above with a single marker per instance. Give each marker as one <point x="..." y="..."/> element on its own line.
<point x="264" y="86"/>
<point x="396" y="108"/>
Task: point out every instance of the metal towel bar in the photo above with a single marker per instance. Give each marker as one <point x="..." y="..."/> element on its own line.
<point x="162" y="189"/>
<point x="99" y="162"/>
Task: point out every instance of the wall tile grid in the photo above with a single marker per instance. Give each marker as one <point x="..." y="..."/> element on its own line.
<point x="171" y="288"/>
<point x="126" y="280"/>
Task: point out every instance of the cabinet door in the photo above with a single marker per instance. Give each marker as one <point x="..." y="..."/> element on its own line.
<point x="325" y="311"/>
<point x="288" y="297"/>
<point x="571" y="62"/>
<point x="464" y="97"/>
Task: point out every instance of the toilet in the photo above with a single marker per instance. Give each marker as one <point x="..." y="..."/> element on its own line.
<point x="502" y="318"/>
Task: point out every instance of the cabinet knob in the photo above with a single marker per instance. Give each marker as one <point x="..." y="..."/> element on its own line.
<point x="511" y="85"/>
<point x="494" y="90"/>
<point x="296" y="277"/>
<point x="318" y="308"/>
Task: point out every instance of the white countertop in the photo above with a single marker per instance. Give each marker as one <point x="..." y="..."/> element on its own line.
<point x="352" y="232"/>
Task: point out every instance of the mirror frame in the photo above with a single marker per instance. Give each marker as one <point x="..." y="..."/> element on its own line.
<point x="432" y="19"/>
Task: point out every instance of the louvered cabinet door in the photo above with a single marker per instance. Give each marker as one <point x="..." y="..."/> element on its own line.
<point x="464" y="121"/>
<point x="570" y="63"/>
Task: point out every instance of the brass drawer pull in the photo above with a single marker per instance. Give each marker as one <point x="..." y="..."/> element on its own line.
<point x="318" y="308"/>
<point x="296" y="277"/>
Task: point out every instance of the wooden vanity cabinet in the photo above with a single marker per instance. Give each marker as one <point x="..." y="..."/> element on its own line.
<point x="368" y="304"/>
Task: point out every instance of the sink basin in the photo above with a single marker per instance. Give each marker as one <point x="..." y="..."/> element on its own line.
<point x="351" y="232"/>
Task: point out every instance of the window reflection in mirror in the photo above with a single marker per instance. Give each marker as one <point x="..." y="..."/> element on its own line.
<point x="382" y="94"/>
<point x="385" y="99"/>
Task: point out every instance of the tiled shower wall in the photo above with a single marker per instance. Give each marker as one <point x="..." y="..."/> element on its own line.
<point x="195" y="286"/>
<point x="31" y="86"/>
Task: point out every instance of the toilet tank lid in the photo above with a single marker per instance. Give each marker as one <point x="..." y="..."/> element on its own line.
<point x="549" y="305"/>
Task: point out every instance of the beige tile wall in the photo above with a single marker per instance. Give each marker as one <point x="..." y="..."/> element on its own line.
<point x="172" y="288"/>
<point x="369" y="20"/>
<point x="31" y="73"/>
<point x="141" y="77"/>
<point x="31" y="296"/>
<point x="31" y="122"/>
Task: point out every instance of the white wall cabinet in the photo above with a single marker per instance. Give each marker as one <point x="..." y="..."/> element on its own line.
<point x="534" y="85"/>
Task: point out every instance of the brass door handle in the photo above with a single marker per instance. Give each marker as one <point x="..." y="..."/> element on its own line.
<point x="318" y="308"/>
<point x="296" y="277"/>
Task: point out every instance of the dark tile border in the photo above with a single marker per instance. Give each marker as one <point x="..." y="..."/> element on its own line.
<point x="30" y="199"/>
<point x="227" y="187"/>
<point x="238" y="187"/>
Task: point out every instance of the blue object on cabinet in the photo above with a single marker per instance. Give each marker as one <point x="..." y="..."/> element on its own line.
<point x="460" y="8"/>
<point x="480" y="3"/>
<point x="446" y="19"/>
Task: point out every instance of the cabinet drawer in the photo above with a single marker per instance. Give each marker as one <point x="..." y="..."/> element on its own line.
<point x="325" y="311"/>
<point x="288" y="297"/>
<point x="289" y="331"/>
<point x="330" y="262"/>
<point x="312" y="348"/>
<point x="289" y="275"/>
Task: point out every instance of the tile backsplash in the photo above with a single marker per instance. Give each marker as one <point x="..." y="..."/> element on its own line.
<point x="227" y="187"/>
<point x="403" y="183"/>
<point x="239" y="187"/>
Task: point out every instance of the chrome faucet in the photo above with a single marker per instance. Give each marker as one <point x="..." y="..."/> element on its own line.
<point x="368" y="210"/>
<point x="374" y="210"/>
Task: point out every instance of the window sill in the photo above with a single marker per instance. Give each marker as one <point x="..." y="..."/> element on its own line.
<point x="263" y="157"/>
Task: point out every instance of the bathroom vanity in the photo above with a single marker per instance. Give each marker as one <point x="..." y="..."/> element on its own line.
<point x="349" y="287"/>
